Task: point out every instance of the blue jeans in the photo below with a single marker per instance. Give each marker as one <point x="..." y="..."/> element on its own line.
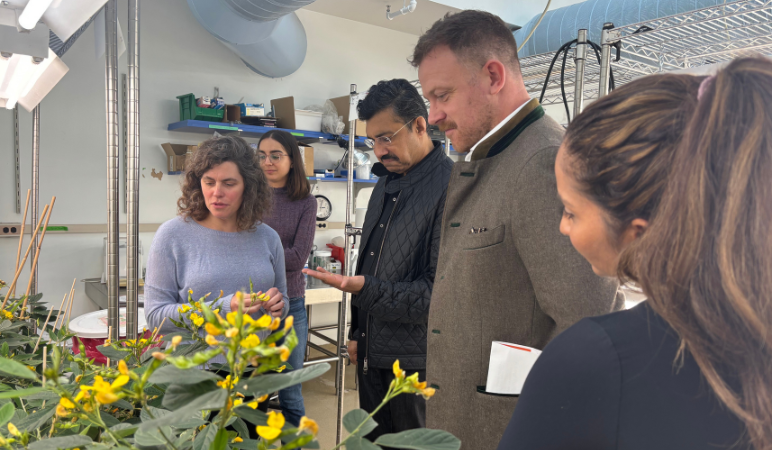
<point x="291" y="398"/>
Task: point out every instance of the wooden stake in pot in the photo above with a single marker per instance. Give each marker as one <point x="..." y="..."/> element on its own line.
<point x="35" y="261"/>
<point x="21" y="240"/>
<point x="23" y="261"/>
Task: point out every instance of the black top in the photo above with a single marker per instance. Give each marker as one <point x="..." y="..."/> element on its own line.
<point x="612" y="382"/>
<point x="375" y="241"/>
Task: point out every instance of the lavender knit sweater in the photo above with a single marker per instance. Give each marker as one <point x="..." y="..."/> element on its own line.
<point x="296" y="223"/>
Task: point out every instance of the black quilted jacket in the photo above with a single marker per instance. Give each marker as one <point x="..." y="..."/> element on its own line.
<point x="390" y="315"/>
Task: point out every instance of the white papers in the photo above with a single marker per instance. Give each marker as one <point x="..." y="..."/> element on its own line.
<point x="509" y="367"/>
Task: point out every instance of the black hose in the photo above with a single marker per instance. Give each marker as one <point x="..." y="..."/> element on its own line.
<point x="563" y="84"/>
<point x="552" y="64"/>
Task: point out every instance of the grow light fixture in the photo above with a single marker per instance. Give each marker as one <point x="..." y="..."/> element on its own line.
<point x="26" y="80"/>
<point x="33" y="12"/>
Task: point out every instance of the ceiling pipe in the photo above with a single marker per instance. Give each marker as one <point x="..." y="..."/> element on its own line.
<point x="405" y="10"/>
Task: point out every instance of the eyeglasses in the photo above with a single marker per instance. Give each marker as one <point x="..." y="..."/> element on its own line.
<point x="384" y="140"/>
<point x="275" y="157"/>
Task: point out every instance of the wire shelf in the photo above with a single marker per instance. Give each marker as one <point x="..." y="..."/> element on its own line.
<point x="705" y="36"/>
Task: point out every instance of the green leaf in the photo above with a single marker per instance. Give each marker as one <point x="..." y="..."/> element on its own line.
<point x="114" y="354"/>
<point x="354" y="418"/>
<point x="21" y="392"/>
<point x="268" y="384"/>
<point x="180" y="417"/>
<point x="61" y="442"/>
<point x="170" y="374"/>
<point x="108" y="419"/>
<point x="16" y="369"/>
<point x="220" y="440"/>
<point x="38" y="419"/>
<point x="45" y="395"/>
<point x="178" y="395"/>
<point x="241" y="428"/>
<point x="6" y="413"/>
<point x="360" y="443"/>
<point x="248" y="444"/>
<point x="185" y="335"/>
<point x="124" y="429"/>
<point x="185" y="440"/>
<point x="253" y="416"/>
<point x="205" y="438"/>
<point x="5" y="350"/>
<point x="123" y="404"/>
<point x="184" y="422"/>
<point x="420" y="439"/>
<point x="35" y="299"/>
<point x="303" y="441"/>
<point x="153" y="437"/>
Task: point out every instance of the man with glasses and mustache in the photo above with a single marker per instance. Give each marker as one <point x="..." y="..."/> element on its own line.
<point x="398" y="252"/>
<point x="505" y="272"/>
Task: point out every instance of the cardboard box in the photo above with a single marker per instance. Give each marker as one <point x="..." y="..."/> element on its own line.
<point x="176" y="155"/>
<point x="295" y="119"/>
<point x="343" y="106"/>
<point x="307" y="152"/>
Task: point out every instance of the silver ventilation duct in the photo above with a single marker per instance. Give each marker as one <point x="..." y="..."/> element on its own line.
<point x="266" y="34"/>
<point x="561" y="25"/>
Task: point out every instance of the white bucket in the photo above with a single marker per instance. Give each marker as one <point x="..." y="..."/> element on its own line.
<point x="308" y="120"/>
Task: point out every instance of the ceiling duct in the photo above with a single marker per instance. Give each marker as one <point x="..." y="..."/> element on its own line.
<point x="266" y="34"/>
<point x="561" y="25"/>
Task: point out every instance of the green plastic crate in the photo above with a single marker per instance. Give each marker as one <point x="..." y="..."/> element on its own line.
<point x="189" y="110"/>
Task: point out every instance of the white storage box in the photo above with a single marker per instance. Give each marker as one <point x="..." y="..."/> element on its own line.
<point x="308" y="120"/>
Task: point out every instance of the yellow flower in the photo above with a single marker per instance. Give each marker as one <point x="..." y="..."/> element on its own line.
<point x="238" y="402"/>
<point x="248" y="320"/>
<point x="275" y="424"/>
<point x="176" y="341"/>
<point x="190" y="291"/>
<point x="107" y="342"/>
<point x="427" y="393"/>
<point x="227" y="383"/>
<point x="231" y="318"/>
<point x="216" y="311"/>
<point x="123" y="368"/>
<point x="196" y="319"/>
<point x="8" y="314"/>
<point x="237" y="439"/>
<point x="78" y="378"/>
<point x="281" y="369"/>
<point x="211" y="340"/>
<point x="212" y="329"/>
<point x="275" y="324"/>
<point x="399" y="373"/>
<point x="32" y="368"/>
<point x="288" y="322"/>
<point x="159" y="356"/>
<point x="251" y="341"/>
<point x="106" y="392"/>
<point x="61" y="411"/>
<point x="13" y="430"/>
<point x="284" y="353"/>
<point x="184" y="308"/>
<point x="232" y="333"/>
<point x="262" y="399"/>
<point x="264" y="321"/>
<point x="65" y="402"/>
<point x="252" y="405"/>
<point x="308" y="424"/>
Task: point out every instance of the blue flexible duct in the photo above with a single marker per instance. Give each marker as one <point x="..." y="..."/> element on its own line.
<point x="266" y="34"/>
<point x="561" y="25"/>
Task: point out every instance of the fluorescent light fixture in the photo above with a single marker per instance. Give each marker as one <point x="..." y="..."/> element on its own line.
<point x="33" y="12"/>
<point x="67" y="16"/>
<point x="23" y="81"/>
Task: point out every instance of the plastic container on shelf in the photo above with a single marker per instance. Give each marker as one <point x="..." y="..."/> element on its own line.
<point x="322" y="258"/>
<point x="91" y="329"/>
<point x="308" y="120"/>
<point x="189" y="110"/>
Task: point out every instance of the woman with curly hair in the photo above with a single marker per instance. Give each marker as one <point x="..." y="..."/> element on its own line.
<point x="218" y="241"/>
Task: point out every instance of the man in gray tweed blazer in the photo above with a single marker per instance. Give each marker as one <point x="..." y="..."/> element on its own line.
<point x="505" y="273"/>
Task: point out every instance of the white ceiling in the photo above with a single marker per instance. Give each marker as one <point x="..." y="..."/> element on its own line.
<point x="373" y="12"/>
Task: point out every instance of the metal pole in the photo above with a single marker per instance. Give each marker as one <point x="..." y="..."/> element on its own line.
<point x="605" y="60"/>
<point x="342" y="355"/>
<point x="132" y="152"/>
<point x="447" y="145"/>
<point x="17" y="156"/>
<point x="581" y="57"/>
<point x="111" y="83"/>
<point x="34" y="219"/>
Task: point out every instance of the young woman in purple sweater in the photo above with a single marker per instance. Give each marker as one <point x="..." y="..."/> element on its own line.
<point x="293" y="216"/>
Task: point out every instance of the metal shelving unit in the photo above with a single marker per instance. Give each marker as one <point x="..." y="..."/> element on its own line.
<point x="701" y="37"/>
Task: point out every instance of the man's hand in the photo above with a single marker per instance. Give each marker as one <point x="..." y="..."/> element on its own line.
<point x="352" y="352"/>
<point x="352" y="285"/>
<point x="273" y="306"/>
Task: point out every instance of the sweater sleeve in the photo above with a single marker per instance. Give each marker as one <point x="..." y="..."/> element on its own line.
<point x="280" y="274"/>
<point x="570" y="400"/>
<point x="295" y="257"/>
<point x="566" y="288"/>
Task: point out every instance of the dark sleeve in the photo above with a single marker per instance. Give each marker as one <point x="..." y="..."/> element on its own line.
<point x="295" y="257"/>
<point x="405" y="302"/>
<point x="570" y="400"/>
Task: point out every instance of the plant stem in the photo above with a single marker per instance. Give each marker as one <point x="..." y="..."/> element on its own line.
<point x="353" y="433"/>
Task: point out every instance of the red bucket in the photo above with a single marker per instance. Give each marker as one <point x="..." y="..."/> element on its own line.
<point x="91" y="329"/>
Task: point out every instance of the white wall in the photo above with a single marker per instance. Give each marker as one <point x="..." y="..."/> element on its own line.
<point x="177" y="57"/>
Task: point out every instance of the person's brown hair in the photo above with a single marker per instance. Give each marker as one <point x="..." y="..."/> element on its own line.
<point x="256" y="200"/>
<point x="622" y="146"/>
<point x="298" y="186"/>
<point x="705" y="262"/>
<point x="472" y="36"/>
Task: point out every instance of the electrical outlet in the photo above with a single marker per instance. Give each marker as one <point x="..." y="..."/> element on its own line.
<point x="10" y="229"/>
<point x="321" y="225"/>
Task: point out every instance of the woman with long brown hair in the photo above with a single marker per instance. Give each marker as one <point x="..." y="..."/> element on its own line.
<point x="667" y="182"/>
